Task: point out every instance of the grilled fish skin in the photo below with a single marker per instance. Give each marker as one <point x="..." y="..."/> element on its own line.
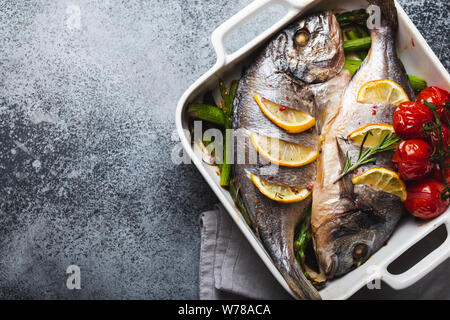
<point x="309" y="78"/>
<point x="351" y="222"/>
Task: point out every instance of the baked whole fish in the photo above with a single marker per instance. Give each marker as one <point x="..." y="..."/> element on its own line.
<point x="351" y="222"/>
<point x="301" y="68"/>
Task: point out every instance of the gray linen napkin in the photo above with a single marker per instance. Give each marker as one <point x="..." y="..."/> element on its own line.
<point x="230" y="268"/>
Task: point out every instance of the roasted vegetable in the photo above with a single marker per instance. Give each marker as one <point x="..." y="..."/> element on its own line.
<point x="228" y="98"/>
<point x="206" y="112"/>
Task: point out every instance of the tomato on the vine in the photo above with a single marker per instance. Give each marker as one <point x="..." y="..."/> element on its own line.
<point x="438" y="96"/>
<point x="437" y="174"/>
<point x="424" y="199"/>
<point x="409" y="118"/>
<point x="445" y="133"/>
<point x="413" y="159"/>
<point x="417" y="123"/>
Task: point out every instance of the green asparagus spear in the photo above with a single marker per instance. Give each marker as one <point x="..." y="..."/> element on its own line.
<point x="353" y="17"/>
<point x="303" y="238"/>
<point x="225" y="172"/>
<point x="352" y="65"/>
<point x="207" y="112"/>
<point x="362" y="31"/>
<point x="417" y="83"/>
<point x="358" y="44"/>
<point x="352" y="34"/>
<point x="228" y="98"/>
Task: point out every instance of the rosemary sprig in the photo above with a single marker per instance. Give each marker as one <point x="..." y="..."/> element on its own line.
<point x="440" y="153"/>
<point x="388" y="143"/>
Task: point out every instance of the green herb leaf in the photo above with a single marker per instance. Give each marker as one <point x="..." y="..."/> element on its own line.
<point x="387" y="143"/>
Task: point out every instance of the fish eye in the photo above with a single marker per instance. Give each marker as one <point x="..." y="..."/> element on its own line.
<point x="360" y="251"/>
<point x="301" y="37"/>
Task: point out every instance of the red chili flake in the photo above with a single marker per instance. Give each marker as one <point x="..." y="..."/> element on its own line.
<point x="263" y="99"/>
<point x="359" y="123"/>
<point x="287" y="98"/>
<point x="356" y="171"/>
<point x="270" y="85"/>
<point x="374" y="112"/>
<point x="294" y="190"/>
<point x="375" y="107"/>
<point x="309" y="187"/>
<point x="281" y="181"/>
<point x="359" y="204"/>
<point x="282" y="108"/>
<point x="269" y="177"/>
<point x="386" y="243"/>
<point x="412" y="42"/>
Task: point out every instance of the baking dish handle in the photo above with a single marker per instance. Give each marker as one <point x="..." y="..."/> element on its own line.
<point x="419" y="270"/>
<point x="218" y="36"/>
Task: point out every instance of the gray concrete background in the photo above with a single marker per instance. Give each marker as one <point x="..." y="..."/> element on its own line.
<point x="86" y="119"/>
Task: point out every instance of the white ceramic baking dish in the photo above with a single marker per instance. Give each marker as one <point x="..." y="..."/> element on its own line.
<point x="418" y="59"/>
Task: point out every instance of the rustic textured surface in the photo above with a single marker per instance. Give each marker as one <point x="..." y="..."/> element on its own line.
<point x="88" y="91"/>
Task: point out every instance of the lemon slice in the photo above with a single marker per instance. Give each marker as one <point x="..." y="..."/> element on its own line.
<point x="293" y="121"/>
<point x="282" y="152"/>
<point x="384" y="180"/>
<point x="378" y="130"/>
<point x="383" y="90"/>
<point x="280" y="193"/>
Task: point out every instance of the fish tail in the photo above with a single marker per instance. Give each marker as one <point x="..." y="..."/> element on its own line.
<point x="388" y="11"/>
<point x="293" y="274"/>
<point x="280" y="239"/>
<point x="306" y="291"/>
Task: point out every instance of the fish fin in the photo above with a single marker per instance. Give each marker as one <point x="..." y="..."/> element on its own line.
<point x="388" y="11"/>
<point x="347" y="187"/>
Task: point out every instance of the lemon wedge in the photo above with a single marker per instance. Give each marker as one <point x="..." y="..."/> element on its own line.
<point x="280" y="193"/>
<point x="385" y="91"/>
<point x="378" y="130"/>
<point x="282" y="152"/>
<point x="293" y="121"/>
<point x="382" y="179"/>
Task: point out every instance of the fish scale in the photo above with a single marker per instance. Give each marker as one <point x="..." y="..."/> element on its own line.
<point x="309" y="78"/>
<point x="338" y="205"/>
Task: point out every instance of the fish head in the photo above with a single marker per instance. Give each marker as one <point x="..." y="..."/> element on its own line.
<point x="311" y="48"/>
<point x="349" y="239"/>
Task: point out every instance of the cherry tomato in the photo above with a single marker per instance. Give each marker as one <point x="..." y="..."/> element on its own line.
<point x="424" y="199"/>
<point x="413" y="159"/>
<point x="436" y="172"/>
<point x="409" y="118"/>
<point x="435" y="95"/>
<point x="445" y="132"/>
